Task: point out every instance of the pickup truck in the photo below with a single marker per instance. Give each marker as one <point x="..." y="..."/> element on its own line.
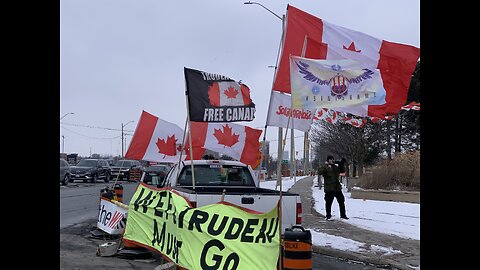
<point x="230" y="181"/>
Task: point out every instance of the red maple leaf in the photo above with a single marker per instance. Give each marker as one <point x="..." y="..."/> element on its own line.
<point x="167" y="147"/>
<point x="351" y="47"/>
<point x="231" y="92"/>
<point x="179" y="148"/>
<point x="226" y="137"/>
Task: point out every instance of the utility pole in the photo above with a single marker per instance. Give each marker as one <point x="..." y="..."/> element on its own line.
<point x="122" y="140"/>
<point x="280" y="156"/>
<point x="306" y="153"/>
<point x="123" y="136"/>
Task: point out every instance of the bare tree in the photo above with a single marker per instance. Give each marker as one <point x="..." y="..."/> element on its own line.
<point x="358" y="145"/>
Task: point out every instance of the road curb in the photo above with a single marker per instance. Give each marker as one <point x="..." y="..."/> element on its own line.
<point x="353" y="256"/>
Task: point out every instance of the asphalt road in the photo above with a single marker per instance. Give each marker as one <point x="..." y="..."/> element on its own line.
<point x="79" y="204"/>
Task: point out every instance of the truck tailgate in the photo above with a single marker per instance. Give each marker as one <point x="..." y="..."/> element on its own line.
<point x="257" y="199"/>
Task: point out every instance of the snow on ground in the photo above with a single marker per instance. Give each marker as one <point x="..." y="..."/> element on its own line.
<point x="397" y="218"/>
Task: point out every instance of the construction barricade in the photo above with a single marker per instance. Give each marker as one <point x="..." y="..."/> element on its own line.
<point x="297" y="249"/>
<point x="118" y="189"/>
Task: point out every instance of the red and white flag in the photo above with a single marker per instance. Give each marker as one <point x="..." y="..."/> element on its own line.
<point x="280" y="111"/>
<point x="234" y="140"/>
<point x="396" y="62"/>
<point x="356" y="122"/>
<point x="328" y="115"/>
<point x="411" y="106"/>
<point x="155" y="140"/>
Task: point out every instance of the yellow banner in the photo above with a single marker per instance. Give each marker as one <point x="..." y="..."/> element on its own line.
<point x="216" y="236"/>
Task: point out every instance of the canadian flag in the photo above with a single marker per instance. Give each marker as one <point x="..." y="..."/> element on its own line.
<point x="229" y="94"/>
<point x="155" y="140"/>
<point x="411" y="106"/>
<point x="322" y="40"/>
<point x="328" y="115"/>
<point x="234" y="140"/>
<point x="356" y="122"/>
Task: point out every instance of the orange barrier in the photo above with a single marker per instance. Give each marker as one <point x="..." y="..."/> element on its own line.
<point x="118" y="189"/>
<point x="297" y="249"/>
<point x="135" y="175"/>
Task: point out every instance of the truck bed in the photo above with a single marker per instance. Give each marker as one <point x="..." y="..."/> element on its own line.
<point x="232" y="190"/>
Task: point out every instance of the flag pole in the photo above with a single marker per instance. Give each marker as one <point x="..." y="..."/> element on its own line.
<point x="306" y="142"/>
<point x="183" y="146"/>
<point x="292" y="149"/>
<point x="293" y="160"/>
<point x="279" y="156"/>
<point x="189" y="129"/>
<point x="280" y="153"/>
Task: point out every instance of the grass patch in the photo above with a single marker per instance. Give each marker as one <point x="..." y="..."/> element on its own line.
<point x="400" y="173"/>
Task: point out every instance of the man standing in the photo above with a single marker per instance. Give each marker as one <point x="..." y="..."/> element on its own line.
<point x="332" y="187"/>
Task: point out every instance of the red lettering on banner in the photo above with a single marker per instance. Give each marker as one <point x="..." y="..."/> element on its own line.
<point x="117" y="217"/>
<point x="299" y="114"/>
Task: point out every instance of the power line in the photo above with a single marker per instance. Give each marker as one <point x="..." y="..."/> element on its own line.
<point x="113" y="129"/>
<point x="116" y="137"/>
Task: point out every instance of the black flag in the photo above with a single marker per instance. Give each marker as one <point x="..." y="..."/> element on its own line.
<point x="217" y="98"/>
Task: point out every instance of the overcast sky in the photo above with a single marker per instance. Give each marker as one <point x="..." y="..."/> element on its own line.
<point x="119" y="57"/>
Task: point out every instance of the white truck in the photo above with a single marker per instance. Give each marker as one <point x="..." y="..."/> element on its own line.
<point x="233" y="182"/>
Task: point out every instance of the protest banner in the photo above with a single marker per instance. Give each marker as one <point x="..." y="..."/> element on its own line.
<point x="215" y="236"/>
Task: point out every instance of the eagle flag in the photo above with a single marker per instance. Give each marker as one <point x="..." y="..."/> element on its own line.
<point x="217" y="98"/>
<point x="396" y="62"/>
<point x="333" y="83"/>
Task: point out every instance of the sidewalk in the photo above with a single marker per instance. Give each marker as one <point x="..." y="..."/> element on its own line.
<point x="408" y="259"/>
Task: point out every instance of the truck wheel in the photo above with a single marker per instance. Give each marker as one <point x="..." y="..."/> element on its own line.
<point x="107" y="178"/>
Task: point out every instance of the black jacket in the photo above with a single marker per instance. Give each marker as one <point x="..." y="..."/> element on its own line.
<point x="331" y="177"/>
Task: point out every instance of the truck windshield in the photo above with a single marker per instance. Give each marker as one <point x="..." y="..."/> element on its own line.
<point x="216" y="175"/>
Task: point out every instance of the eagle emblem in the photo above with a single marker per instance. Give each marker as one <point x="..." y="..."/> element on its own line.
<point x="336" y="78"/>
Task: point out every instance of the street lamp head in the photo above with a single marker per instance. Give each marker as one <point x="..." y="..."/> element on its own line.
<point x="123" y="125"/>
<point x="276" y="15"/>
<point x="66" y="115"/>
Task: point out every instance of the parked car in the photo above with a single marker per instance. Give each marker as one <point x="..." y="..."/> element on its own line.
<point x="64" y="172"/>
<point x="111" y="162"/>
<point x="124" y="167"/>
<point x="90" y="170"/>
<point x="154" y="174"/>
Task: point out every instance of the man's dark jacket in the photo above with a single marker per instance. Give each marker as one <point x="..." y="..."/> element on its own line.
<point x="331" y="180"/>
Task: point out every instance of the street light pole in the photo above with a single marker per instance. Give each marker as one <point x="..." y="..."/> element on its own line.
<point x="251" y="3"/>
<point x="66" y="115"/>
<point x="123" y="136"/>
<point x="63" y="137"/>
<point x="280" y="148"/>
